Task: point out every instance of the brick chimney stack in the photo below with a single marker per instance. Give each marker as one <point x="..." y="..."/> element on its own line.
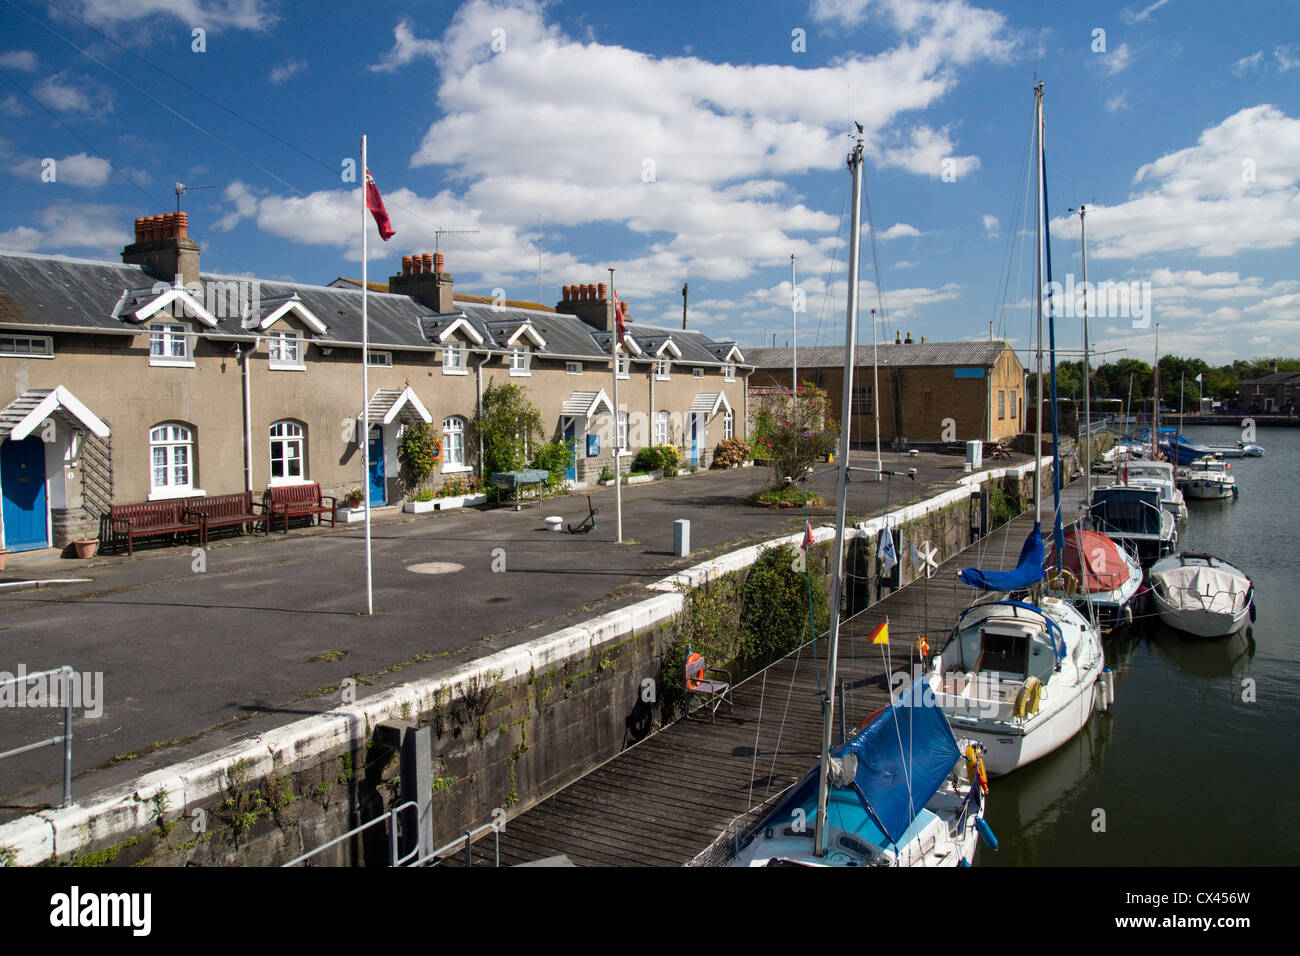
<point x="590" y="302"/>
<point x="424" y="278"/>
<point x="163" y="247"/>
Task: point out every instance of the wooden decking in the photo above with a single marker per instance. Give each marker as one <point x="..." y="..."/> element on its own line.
<point x="663" y="801"/>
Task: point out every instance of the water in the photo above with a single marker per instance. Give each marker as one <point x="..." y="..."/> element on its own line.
<point x="1183" y="770"/>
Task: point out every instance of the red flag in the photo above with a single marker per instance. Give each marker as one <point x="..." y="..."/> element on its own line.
<point x="619" y="323"/>
<point x="375" y="203"/>
<point x="807" y="536"/>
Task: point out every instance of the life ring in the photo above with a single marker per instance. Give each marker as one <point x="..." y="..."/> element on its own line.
<point x="435" y="452"/>
<point x="692" y="683"/>
<point x="1064" y="580"/>
<point x="1028" y="698"/>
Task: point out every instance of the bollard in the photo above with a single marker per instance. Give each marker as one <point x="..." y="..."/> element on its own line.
<point x="681" y="537"/>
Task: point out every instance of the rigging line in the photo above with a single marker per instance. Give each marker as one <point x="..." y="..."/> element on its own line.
<point x="828" y="293"/>
<point x="115" y="168"/>
<point x="753" y="767"/>
<point x="1013" y="230"/>
<point x="776" y="750"/>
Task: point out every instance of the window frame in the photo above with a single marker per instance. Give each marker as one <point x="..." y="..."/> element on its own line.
<point x="697" y="372"/>
<point x="624" y="366"/>
<point x="46" y="340"/>
<point x="857" y="401"/>
<point x="455" y="358"/>
<point x="521" y="357"/>
<point x="620" y="434"/>
<point x="663" y="369"/>
<point x="454" y="426"/>
<point x="729" y="371"/>
<point x="387" y="358"/>
<point x="169" y="444"/>
<point x="573" y="368"/>
<point x="728" y="424"/>
<point x="1002" y="405"/>
<point x="276" y="342"/>
<point x="662" y="425"/>
<point x="169" y="334"/>
<point x="301" y="439"/>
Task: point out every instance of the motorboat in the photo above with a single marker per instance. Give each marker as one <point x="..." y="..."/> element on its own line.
<point x="1132" y="517"/>
<point x="1095" y="571"/>
<point x="1208" y="479"/>
<point x="1157" y="474"/>
<point x="1201" y="594"/>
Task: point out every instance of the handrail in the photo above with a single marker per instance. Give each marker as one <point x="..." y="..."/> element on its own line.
<point x="65" y="738"/>
<point x="467" y="838"/>
<point x="390" y="815"/>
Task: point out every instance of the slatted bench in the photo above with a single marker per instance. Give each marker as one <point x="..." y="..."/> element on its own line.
<point x="223" y="511"/>
<point x="150" y="518"/>
<point x="294" y="501"/>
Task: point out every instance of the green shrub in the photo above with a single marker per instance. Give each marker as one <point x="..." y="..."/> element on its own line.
<point x="556" y="457"/>
<point x="418" y="451"/>
<point x="506" y="423"/>
<point x="654" y="457"/>
<point x="774" y="612"/>
<point x="730" y="451"/>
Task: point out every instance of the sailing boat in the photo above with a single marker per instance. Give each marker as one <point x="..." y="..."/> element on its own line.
<point x="1021" y="676"/>
<point x="897" y="793"/>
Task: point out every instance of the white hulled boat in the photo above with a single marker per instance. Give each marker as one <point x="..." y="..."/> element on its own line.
<point x="1133" y="518"/>
<point x="1160" y="475"/>
<point x="1209" y="479"/>
<point x="1098" y="573"/>
<point x="1201" y="595"/>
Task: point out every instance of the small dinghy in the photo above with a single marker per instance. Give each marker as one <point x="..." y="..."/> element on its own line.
<point x="1201" y="595"/>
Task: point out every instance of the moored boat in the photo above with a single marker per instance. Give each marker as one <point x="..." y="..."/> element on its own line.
<point x="1133" y="518"/>
<point x="1098" y="572"/>
<point x="1209" y="479"/>
<point x="1201" y="594"/>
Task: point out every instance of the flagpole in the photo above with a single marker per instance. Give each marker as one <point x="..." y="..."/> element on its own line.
<point x="365" y="375"/>
<point x="618" y="482"/>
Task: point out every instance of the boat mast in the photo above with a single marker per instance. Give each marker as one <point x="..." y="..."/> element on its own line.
<point x="841" y="504"/>
<point x="1038" y="281"/>
<point x="1087" y="367"/>
<point x="1155" y="407"/>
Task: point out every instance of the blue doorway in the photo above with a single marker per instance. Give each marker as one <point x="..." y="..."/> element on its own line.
<point x="378" y="485"/>
<point x="22" y="472"/>
<point x="570" y="439"/>
<point x="695" y="444"/>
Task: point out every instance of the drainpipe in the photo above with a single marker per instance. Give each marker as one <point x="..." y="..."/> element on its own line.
<point x="478" y="380"/>
<point x="651" y="377"/>
<point x="248" y="412"/>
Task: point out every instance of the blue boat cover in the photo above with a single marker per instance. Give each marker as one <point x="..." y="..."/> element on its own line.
<point x="912" y="735"/>
<point x="1028" y="570"/>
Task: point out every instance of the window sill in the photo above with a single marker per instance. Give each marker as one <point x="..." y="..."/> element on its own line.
<point x="170" y="363"/>
<point x="524" y="374"/>
<point x="40" y="355"/>
<point x="277" y="367"/>
<point x="456" y="469"/>
<point x="662" y="378"/>
<point x="277" y="482"/>
<point x="455" y="371"/>
<point x="170" y="494"/>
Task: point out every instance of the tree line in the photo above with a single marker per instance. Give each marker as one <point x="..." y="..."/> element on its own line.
<point x="1112" y="380"/>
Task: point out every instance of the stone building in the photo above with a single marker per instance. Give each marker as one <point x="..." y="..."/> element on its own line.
<point x="150" y="379"/>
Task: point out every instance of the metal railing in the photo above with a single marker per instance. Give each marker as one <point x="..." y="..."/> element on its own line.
<point x="65" y="685"/>
<point x="412" y="858"/>
<point x="467" y="838"/>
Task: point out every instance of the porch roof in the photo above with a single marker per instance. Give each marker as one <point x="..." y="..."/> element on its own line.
<point x="25" y="414"/>
<point x="401" y="405"/>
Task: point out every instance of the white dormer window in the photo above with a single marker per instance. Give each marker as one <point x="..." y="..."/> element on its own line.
<point x="729" y="372"/>
<point x="285" y="350"/>
<point x="661" y="369"/>
<point x="697" y="373"/>
<point x="624" y="365"/>
<point x="519" y="358"/>
<point x="169" y="345"/>
<point x="453" y="359"/>
<point x="573" y="368"/>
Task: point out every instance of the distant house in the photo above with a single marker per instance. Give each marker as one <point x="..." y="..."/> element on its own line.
<point x="148" y="380"/>
<point x="930" y="392"/>
<point x="1274" y="393"/>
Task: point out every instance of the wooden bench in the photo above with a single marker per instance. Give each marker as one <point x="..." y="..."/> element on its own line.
<point x="223" y="511"/>
<point x="294" y="501"/>
<point x="696" y="680"/>
<point x="149" y="518"/>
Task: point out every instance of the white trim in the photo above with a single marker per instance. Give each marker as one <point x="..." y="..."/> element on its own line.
<point x="407" y="396"/>
<point x="528" y="330"/>
<point x="386" y="355"/>
<point x="470" y="332"/>
<point x="629" y="343"/>
<point x="169" y="363"/>
<point x="277" y="482"/>
<point x="697" y="372"/>
<point x="735" y="350"/>
<point x="572" y="368"/>
<point x="456" y="469"/>
<point x="176" y="493"/>
<point x="455" y="371"/>
<point x="47" y="339"/>
<point x="143" y="313"/>
<point x="297" y="306"/>
<point x="60" y="397"/>
<point x="671" y="346"/>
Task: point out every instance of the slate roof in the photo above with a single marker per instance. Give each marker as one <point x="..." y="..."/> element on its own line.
<point x="981" y="353"/>
<point x="1273" y="378"/>
<point x="49" y="293"/>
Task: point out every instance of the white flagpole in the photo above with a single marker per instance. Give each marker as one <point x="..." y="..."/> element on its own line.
<point x="365" y="374"/>
<point x="618" y="482"/>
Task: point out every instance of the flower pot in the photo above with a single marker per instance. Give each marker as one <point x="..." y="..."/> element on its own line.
<point x="86" y="547"/>
<point x="419" y="507"/>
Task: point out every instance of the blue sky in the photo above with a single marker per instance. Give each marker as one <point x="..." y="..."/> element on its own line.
<point x="688" y="142"/>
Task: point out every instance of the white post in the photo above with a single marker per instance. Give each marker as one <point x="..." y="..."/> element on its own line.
<point x="1087" y="364"/>
<point x="794" y="342"/>
<point x="618" y="482"/>
<point x="875" y="395"/>
<point x="365" y="373"/>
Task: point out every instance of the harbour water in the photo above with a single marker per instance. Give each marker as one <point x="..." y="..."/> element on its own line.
<point x="1195" y="764"/>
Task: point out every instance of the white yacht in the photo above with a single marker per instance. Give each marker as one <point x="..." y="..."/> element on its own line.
<point x="1201" y="595"/>
<point x="1208" y="479"/>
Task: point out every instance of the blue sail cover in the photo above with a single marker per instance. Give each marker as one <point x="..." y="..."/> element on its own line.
<point x="1028" y="570"/>
<point x="912" y="735"/>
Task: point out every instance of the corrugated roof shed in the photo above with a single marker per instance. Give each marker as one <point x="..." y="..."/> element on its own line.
<point x="982" y="353"/>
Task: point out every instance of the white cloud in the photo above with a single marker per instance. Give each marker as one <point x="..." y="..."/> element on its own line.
<point x="1117" y="60"/>
<point x="209" y="14"/>
<point x="72" y="93"/>
<point x="1130" y="16"/>
<point x="899" y="230"/>
<point x="406" y="48"/>
<point x="1118" y="102"/>
<point x="79" y="169"/>
<point x="245" y="203"/>
<point x="1249" y="64"/>
<point x="906" y="264"/>
<point x="285" y="70"/>
<point x="1287" y="56"/>
<point x="992" y="228"/>
<point x="18" y="60"/>
<point x="1235" y="190"/>
<point x="10" y="106"/>
<point x="67" y="226"/>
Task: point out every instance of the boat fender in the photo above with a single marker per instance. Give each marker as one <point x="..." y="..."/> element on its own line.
<point x="963" y="862"/>
<point x="1252" y="610"/>
<point x="986" y="833"/>
<point x="975" y="768"/>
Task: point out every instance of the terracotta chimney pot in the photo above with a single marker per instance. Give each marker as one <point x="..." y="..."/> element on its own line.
<point x="439" y="262"/>
<point x="406" y="265"/>
<point x="427" y="259"/>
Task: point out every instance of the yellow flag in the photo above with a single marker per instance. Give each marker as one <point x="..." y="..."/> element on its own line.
<point x="881" y="634"/>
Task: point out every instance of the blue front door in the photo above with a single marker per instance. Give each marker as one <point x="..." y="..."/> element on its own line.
<point x="22" y="472"/>
<point x="570" y="430"/>
<point x="378" y="487"/>
<point x="695" y="444"/>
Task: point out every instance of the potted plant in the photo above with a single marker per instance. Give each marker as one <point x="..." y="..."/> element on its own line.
<point x="419" y="502"/>
<point x="355" y="497"/>
<point x="86" y="547"/>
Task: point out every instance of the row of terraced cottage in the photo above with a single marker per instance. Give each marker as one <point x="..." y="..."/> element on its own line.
<point x="149" y="380"/>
